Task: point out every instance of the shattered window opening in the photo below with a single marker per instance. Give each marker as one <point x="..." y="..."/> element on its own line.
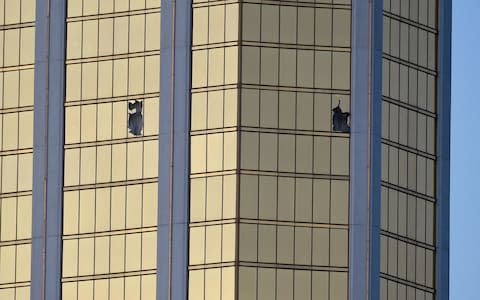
<point x="135" y="119"/>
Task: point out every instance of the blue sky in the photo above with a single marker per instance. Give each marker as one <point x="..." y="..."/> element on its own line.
<point x="465" y="154"/>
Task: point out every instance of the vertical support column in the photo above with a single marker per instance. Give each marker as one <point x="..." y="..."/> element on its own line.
<point x="48" y="150"/>
<point x="174" y="163"/>
<point x="443" y="149"/>
<point x="364" y="247"/>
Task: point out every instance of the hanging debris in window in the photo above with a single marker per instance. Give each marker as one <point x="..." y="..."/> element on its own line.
<point x="340" y="119"/>
<point x="135" y="119"/>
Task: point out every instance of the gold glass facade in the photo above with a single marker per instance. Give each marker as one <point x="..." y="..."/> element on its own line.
<point x="214" y="140"/>
<point x="269" y="191"/>
<point x="110" y="175"/>
<point x="17" y="46"/>
<point x="269" y="176"/>
<point x="408" y="149"/>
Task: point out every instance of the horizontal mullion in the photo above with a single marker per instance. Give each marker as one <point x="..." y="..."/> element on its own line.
<point x="109" y="275"/>
<point x="409" y="149"/>
<point x="113" y="15"/>
<point x="110" y="184"/>
<point x="407" y="191"/>
<point x="410" y="22"/>
<point x="112" y="57"/>
<point x="113" y="232"/>
<point x="407" y="283"/>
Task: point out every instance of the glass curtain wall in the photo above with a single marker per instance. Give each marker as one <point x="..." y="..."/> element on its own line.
<point x="17" y="56"/>
<point x="269" y="172"/>
<point x="111" y="150"/>
<point x="214" y="140"/>
<point x="408" y="149"/>
<point x="294" y="165"/>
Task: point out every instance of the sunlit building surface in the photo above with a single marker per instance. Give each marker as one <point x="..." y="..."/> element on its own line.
<point x="17" y="44"/>
<point x="269" y="179"/>
<point x="110" y="175"/>
<point x="224" y="150"/>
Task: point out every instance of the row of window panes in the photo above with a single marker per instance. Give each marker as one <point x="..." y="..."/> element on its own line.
<point x="212" y="284"/>
<point x="286" y="284"/>
<point x="109" y="163"/>
<point x="294" y="199"/>
<point x="296" y="68"/>
<point x="123" y="288"/>
<point x="221" y="153"/>
<point x="296" y="25"/>
<point x="266" y="108"/>
<point x="345" y="2"/>
<point x="215" y="24"/>
<point x="408" y="216"/>
<point x="290" y="110"/>
<point x="407" y="261"/>
<point x="269" y="244"/>
<point x="408" y="128"/>
<point x="120" y="77"/>
<point x="269" y="198"/>
<point x="16" y="88"/>
<point x="408" y="170"/>
<point x="105" y="209"/>
<point x="113" y="36"/>
<point x="17" y="46"/>
<point x="293" y="245"/>
<point x="17" y="11"/>
<point x="87" y="7"/>
<point x="109" y="254"/>
<point x="421" y="11"/>
<point x="15" y="263"/>
<point x="16" y="130"/>
<point x="20" y="293"/>
<point x="409" y="85"/>
<point x="214" y="109"/>
<point x="267" y="284"/>
<point x="213" y="67"/>
<point x="391" y="290"/>
<point x="107" y="121"/>
<point x="213" y="198"/>
<point x="409" y="43"/>
<point x="294" y="153"/>
<point x="16" y="173"/>
<point x="15" y="218"/>
<point x="212" y="244"/>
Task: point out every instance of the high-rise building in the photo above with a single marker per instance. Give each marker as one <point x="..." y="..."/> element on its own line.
<point x="224" y="149"/>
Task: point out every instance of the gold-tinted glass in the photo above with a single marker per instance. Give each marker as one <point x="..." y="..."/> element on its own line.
<point x="269" y="175"/>
<point x="111" y="173"/>
<point x="214" y="155"/>
<point x="295" y="68"/>
<point x="17" y="55"/>
<point x="408" y="149"/>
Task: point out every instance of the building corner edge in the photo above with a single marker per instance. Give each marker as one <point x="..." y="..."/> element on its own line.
<point x="364" y="240"/>
<point x="443" y="148"/>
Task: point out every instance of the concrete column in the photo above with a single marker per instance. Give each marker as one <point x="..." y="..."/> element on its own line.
<point x="365" y="150"/>
<point x="48" y="150"/>
<point x="174" y="152"/>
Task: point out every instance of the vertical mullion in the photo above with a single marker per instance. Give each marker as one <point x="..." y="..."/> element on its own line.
<point x="239" y="145"/>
